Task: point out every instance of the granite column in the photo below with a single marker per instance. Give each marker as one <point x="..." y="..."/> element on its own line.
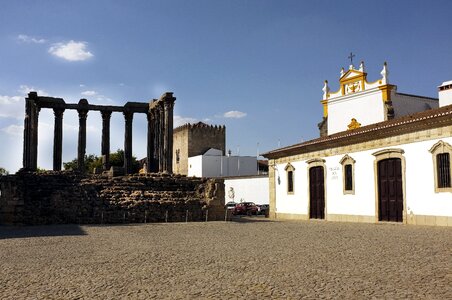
<point x="58" y="139"/>
<point x="105" y="146"/>
<point x="128" y="168"/>
<point x="82" y="115"/>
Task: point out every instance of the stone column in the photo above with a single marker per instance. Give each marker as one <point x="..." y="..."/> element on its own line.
<point x="128" y="116"/>
<point x="82" y="115"/>
<point x="150" y="146"/>
<point x="30" y="155"/>
<point x="156" y="162"/>
<point x="161" y="137"/>
<point x="58" y="139"/>
<point x="168" y="125"/>
<point x="106" y="115"/>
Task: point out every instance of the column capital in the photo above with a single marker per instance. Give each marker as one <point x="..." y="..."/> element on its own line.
<point x="106" y="114"/>
<point x="128" y="115"/>
<point x="82" y="108"/>
<point x="58" y="112"/>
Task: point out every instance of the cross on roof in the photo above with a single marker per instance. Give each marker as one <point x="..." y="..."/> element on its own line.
<point x="351" y="57"/>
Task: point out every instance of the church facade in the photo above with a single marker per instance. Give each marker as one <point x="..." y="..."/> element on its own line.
<point x="382" y="156"/>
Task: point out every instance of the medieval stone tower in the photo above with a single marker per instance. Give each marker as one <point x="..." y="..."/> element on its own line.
<point x="195" y="139"/>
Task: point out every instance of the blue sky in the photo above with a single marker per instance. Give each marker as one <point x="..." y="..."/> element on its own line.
<point x="255" y="66"/>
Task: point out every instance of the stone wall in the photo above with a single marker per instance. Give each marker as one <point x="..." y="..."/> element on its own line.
<point x="195" y="139"/>
<point x="67" y="197"/>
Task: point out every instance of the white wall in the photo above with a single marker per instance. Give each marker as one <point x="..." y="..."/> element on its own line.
<point x="445" y="96"/>
<point x="221" y="166"/>
<point x="296" y="203"/>
<point x="249" y="189"/>
<point x="366" y="107"/>
<point x="407" y="104"/>
<point x="420" y="195"/>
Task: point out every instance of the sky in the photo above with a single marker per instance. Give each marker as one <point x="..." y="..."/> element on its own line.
<point x="255" y="66"/>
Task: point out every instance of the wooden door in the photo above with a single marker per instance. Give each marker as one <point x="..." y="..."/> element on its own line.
<point x="390" y="190"/>
<point x="316" y="193"/>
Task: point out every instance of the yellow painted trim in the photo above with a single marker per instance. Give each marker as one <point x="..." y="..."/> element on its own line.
<point x="351" y="218"/>
<point x="343" y="79"/>
<point x="386" y="92"/>
<point x="288" y="216"/>
<point x="429" y="220"/>
<point x="325" y="108"/>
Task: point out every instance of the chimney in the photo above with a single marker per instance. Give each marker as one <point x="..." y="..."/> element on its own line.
<point x="445" y="93"/>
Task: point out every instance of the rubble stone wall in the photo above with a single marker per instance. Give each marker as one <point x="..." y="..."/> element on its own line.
<point x="67" y="197"/>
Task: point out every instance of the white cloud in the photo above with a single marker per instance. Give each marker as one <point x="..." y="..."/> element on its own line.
<point x="14" y="130"/>
<point x="82" y="85"/>
<point x="179" y="121"/>
<point x="71" y="51"/>
<point x="25" y="89"/>
<point x="234" y="114"/>
<point x="14" y="106"/>
<point x="89" y="93"/>
<point x="29" y="39"/>
<point x="96" y="96"/>
<point x="103" y="98"/>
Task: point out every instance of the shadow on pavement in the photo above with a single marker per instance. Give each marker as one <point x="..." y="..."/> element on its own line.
<point x="250" y="219"/>
<point x="11" y="232"/>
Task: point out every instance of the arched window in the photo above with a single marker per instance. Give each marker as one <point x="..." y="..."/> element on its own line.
<point x="290" y="171"/>
<point x="442" y="169"/>
<point x="348" y="175"/>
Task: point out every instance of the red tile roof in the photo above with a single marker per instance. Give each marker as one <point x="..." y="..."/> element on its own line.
<point x="429" y="119"/>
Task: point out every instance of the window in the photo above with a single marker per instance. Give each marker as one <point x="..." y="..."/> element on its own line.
<point x="348" y="177"/>
<point x="348" y="170"/>
<point x="441" y="154"/>
<point x="290" y="182"/>
<point x="177" y="156"/>
<point x="443" y="170"/>
<point x="290" y="178"/>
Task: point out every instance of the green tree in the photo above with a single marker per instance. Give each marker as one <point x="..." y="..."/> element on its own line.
<point x="3" y="171"/>
<point x="92" y="161"/>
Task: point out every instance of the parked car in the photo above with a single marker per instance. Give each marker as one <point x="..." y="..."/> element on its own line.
<point x="230" y="205"/>
<point x="263" y="209"/>
<point x="245" y="208"/>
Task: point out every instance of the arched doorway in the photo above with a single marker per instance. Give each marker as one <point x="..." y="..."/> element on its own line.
<point x="316" y="192"/>
<point x="390" y="190"/>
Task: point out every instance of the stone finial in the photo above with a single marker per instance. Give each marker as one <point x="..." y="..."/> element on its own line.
<point x="325" y="89"/>
<point x="361" y="66"/>
<point x="351" y="67"/>
<point x="385" y="74"/>
<point x="342" y="72"/>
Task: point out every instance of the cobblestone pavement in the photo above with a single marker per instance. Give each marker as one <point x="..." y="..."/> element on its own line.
<point x="248" y="259"/>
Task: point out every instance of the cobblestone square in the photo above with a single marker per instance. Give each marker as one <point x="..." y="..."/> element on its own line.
<point x="247" y="259"/>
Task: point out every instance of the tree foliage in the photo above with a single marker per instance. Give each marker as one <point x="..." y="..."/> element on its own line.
<point x="3" y="171"/>
<point x="92" y="161"/>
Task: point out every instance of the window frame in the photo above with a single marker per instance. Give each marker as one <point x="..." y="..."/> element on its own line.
<point x="441" y="147"/>
<point x="290" y="169"/>
<point x="347" y="160"/>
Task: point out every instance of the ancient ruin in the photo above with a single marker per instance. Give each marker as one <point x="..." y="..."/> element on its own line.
<point x="157" y="195"/>
<point x="159" y="140"/>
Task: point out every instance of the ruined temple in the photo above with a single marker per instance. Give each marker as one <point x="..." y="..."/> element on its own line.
<point x="55" y="197"/>
<point x="159" y="140"/>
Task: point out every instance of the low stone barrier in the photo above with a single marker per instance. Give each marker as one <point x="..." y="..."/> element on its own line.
<point x="59" y="197"/>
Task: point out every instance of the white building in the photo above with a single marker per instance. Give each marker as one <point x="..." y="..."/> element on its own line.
<point x="213" y="164"/>
<point x="247" y="189"/>
<point x="382" y="156"/>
